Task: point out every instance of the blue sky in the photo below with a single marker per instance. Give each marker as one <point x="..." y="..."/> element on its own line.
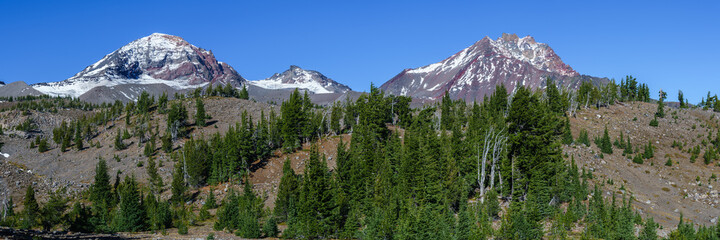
<point x="669" y="45"/>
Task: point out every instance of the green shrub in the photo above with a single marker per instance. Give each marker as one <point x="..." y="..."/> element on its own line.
<point x="654" y="122"/>
<point x="638" y="159"/>
<point x="583" y="137"/>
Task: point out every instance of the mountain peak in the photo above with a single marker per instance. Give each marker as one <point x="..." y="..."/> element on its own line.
<point x="296" y="77"/>
<point x="474" y="72"/>
<point x="508" y="37"/>
<point x="155" y="59"/>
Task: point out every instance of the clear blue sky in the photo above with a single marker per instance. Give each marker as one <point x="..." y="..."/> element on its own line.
<point x="670" y="45"/>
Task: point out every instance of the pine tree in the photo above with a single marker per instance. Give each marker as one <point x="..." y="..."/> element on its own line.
<point x="227" y="213"/>
<point x="335" y="116"/>
<point x="244" y="93"/>
<point x="53" y="210"/>
<point x="162" y="103"/>
<point x="270" y="227"/>
<point x="492" y="207"/>
<point x="287" y="194"/>
<point x="315" y="197"/>
<point x="31" y="209"/>
<point x="628" y="148"/>
<point x="567" y="134"/>
<point x="661" y="106"/>
<point x="293" y="121"/>
<point x="131" y="215"/>
<point x="43" y="145"/>
<point x="176" y="120"/>
<point x="649" y="231"/>
<point x="159" y="216"/>
<point x="681" y="99"/>
<point x="100" y="191"/>
<point x="166" y="143"/>
<point x="533" y="147"/>
<point x="8" y="214"/>
<point x="649" y="151"/>
<point x="178" y="184"/>
<point x="200" y="115"/>
<point x="248" y="225"/>
<point x="554" y="101"/>
<point x="119" y="145"/>
<point x="605" y="144"/>
<point x="155" y="180"/>
<point x="78" y="138"/>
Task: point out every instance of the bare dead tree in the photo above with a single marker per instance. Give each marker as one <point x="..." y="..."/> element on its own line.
<point x="486" y="147"/>
<point x="494" y="144"/>
<point x="498" y="147"/>
<point x="573" y="103"/>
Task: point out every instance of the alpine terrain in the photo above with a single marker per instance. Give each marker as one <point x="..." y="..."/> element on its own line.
<point x="296" y="77"/>
<point x="475" y="71"/>
<point x="149" y="62"/>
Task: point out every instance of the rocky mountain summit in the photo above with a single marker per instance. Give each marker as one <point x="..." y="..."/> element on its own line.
<point x="155" y="59"/>
<point x="475" y="71"/>
<point x="296" y="77"/>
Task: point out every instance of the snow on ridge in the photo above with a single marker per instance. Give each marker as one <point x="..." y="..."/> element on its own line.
<point x="81" y="86"/>
<point x="312" y="86"/>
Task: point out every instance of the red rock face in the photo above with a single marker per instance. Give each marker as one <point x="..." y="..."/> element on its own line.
<point x="155" y="59"/>
<point x="475" y="71"/>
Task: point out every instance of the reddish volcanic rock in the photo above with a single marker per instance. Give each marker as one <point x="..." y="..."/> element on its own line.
<point x="475" y="71"/>
<point x="155" y="59"/>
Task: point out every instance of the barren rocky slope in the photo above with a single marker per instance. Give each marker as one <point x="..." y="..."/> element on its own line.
<point x="660" y="191"/>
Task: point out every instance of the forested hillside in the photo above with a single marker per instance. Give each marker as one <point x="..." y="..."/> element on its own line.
<point x="503" y="168"/>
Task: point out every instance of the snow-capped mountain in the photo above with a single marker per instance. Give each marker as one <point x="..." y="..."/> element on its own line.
<point x="475" y="71"/>
<point x="296" y="77"/>
<point x="155" y="59"/>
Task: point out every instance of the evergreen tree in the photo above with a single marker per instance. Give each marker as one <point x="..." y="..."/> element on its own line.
<point x="243" y="93"/>
<point x="649" y="151"/>
<point x="293" y="121"/>
<point x="148" y="150"/>
<point x="681" y="99"/>
<point x="119" y="145"/>
<point x="567" y="134"/>
<point x="176" y="120"/>
<point x="315" y="197"/>
<point x="661" y="106"/>
<point x="270" y="227"/>
<point x="178" y="184"/>
<point x="52" y="211"/>
<point x="534" y="148"/>
<point x="555" y="103"/>
<point x="79" y="219"/>
<point x="335" y="116"/>
<point x="8" y="214"/>
<point x="159" y="216"/>
<point x="227" y="214"/>
<point x="162" y="103"/>
<point x="649" y="231"/>
<point x="100" y="191"/>
<point x="492" y="207"/>
<point x="200" y="115"/>
<point x="155" y="180"/>
<point x="43" y="145"/>
<point x="248" y="225"/>
<point x="78" y="138"/>
<point x="605" y="144"/>
<point x="287" y="194"/>
<point x="31" y="209"/>
<point x="210" y="202"/>
<point x="131" y="215"/>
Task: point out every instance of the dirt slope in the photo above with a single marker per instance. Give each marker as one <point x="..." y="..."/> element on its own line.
<point x="662" y="192"/>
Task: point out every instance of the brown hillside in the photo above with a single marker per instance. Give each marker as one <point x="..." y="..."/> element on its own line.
<point x="662" y="192"/>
